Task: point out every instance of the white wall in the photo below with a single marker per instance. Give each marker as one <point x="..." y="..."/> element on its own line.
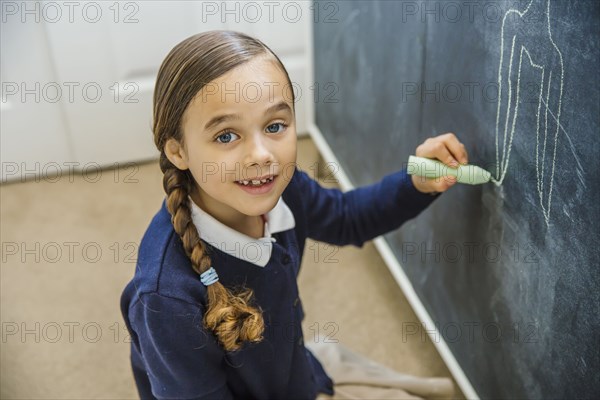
<point x="77" y="81"/>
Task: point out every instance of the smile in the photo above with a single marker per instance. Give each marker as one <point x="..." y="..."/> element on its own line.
<point x="258" y="182"/>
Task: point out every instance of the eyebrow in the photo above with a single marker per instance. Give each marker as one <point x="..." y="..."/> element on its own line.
<point x="228" y="117"/>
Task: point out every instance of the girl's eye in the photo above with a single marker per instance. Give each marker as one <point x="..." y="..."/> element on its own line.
<point x="226" y="136"/>
<point x="275" y="124"/>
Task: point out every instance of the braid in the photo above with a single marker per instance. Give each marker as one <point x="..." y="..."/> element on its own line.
<point x="230" y="316"/>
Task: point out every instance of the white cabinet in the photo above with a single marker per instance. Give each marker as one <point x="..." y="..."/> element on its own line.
<point x="34" y="138"/>
<point x="102" y="59"/>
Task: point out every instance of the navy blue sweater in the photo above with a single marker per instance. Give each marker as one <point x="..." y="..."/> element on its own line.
<point x="174" y="357"/>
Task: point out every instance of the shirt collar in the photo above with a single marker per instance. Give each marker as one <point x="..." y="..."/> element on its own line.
<point x="237" y="244"/>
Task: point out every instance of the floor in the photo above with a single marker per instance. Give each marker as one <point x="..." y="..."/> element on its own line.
<point x="69" y="246"/>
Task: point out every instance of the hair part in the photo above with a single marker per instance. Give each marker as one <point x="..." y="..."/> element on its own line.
<point x="188" y="67"/>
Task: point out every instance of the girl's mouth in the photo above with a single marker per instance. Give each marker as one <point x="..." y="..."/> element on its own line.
<point x="257" y="186"/>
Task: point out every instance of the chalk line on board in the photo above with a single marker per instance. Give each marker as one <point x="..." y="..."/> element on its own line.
<point x="503" y="160"/>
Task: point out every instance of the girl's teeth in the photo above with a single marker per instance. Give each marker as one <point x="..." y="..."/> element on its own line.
<point x="256" y="182"/>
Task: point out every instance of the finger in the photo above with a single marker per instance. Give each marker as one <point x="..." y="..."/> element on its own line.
<point x="457" y="149"/>
<point x="438" y="149"/>
<point x="442" y="184"/>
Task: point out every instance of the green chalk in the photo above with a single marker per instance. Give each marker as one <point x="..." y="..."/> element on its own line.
<point x="470" y="174"/>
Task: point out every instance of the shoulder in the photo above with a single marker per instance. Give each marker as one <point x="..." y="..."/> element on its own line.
<point x="295" y="194"/>
<point x="299" y="184"/>
<point x="162" y="267"/>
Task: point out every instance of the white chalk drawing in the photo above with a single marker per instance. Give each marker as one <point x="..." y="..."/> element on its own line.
<point x="550" y="97"/>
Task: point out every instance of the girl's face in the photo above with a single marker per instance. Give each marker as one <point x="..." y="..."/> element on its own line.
<point x="238" y="127"/>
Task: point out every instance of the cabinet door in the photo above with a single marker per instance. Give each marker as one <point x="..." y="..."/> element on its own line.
<point x="34" y="142"/>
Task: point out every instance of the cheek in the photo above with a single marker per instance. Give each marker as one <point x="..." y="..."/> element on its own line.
<point x="211" y="167"/>
<point x="288" y="147"/>
<point x="287" y="157"/>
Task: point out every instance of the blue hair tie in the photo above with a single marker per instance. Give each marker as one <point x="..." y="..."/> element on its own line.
<point x="209" y="277"/>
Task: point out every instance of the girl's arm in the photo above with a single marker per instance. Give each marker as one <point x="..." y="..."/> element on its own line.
<point x="364" y="213"/>
<point x="183" y="361"/>
<point x="361" y="214"/>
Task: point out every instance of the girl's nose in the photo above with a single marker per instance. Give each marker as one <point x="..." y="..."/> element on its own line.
<point x="258" y="151"/>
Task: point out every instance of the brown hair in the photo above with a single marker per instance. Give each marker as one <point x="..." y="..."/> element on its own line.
<point x="188" y="67"/>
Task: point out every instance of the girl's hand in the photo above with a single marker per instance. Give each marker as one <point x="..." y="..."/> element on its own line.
<point x="447" y="149"/>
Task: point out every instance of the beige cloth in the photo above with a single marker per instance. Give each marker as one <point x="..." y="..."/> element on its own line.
<point x="357" y="377"/>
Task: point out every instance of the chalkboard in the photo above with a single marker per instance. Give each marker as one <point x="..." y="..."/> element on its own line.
<point x="509" y="273"/>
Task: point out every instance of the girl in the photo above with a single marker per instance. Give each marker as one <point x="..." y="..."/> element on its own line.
<point x="213" y="309"/>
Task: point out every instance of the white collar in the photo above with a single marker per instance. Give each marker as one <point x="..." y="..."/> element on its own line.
<point x="237" y="244"/>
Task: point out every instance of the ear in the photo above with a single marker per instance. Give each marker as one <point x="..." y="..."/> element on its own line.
<point x="176" y="154"/>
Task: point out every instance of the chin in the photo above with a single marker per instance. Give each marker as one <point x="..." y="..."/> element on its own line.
<point x="260" y="209"/>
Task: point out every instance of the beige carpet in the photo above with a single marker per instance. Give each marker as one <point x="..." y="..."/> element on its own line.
<point x="69" y="247"/>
